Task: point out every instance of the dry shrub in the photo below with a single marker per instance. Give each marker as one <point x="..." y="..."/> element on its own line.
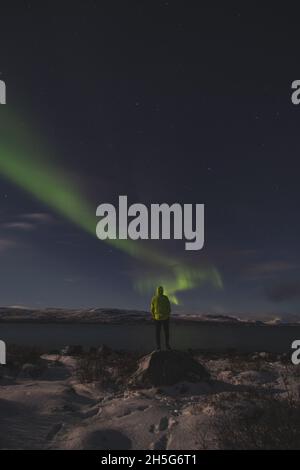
<point x="110" y="370"/>
<point x="272" y="423"/>
<point x="17" y="356"/>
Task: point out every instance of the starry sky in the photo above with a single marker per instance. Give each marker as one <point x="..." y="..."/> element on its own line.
<point x="164" y="102"/>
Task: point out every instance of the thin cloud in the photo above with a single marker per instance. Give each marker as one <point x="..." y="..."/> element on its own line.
<point x="284" y="291"/>
<point x="18" y="226"/>
<point x="28" y="222"/>
<point x="269" y="269"/>
<point x="71" y="280"/>
<point x="39" y="217"/>
<point x="6" y="244"/>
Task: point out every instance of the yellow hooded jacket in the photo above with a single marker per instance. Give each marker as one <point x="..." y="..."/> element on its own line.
<point x="160" y="305"/>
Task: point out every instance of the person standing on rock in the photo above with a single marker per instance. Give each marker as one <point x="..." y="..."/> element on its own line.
<point x="160" y="310"/>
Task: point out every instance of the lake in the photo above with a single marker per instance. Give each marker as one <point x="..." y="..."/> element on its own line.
<point x="244" y="338"/>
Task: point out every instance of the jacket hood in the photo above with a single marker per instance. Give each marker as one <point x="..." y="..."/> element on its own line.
<point x="159" y="290"/>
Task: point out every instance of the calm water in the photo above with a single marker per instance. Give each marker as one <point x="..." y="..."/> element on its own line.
<point x="141" y="337"/>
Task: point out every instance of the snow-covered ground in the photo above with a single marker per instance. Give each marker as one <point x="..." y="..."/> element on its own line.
<point x="59" y="410"/>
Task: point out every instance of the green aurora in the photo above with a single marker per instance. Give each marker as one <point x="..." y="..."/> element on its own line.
<point x="25" y="162"/>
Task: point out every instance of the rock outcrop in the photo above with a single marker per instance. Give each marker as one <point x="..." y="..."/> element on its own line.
<point x="168" y="368"/>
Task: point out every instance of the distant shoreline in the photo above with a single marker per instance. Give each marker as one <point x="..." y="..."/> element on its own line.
<point x="114" y="316"/>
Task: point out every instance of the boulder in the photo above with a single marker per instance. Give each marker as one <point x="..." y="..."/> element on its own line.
<point x="162" y="368"/>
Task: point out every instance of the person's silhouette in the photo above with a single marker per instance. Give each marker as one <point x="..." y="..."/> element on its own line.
<point x="160" y="310"/>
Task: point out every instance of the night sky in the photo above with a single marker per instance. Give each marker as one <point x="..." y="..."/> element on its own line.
<point x="164" y="102"/>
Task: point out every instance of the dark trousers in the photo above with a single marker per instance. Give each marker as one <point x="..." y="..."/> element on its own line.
<point x="165" y="325"/>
